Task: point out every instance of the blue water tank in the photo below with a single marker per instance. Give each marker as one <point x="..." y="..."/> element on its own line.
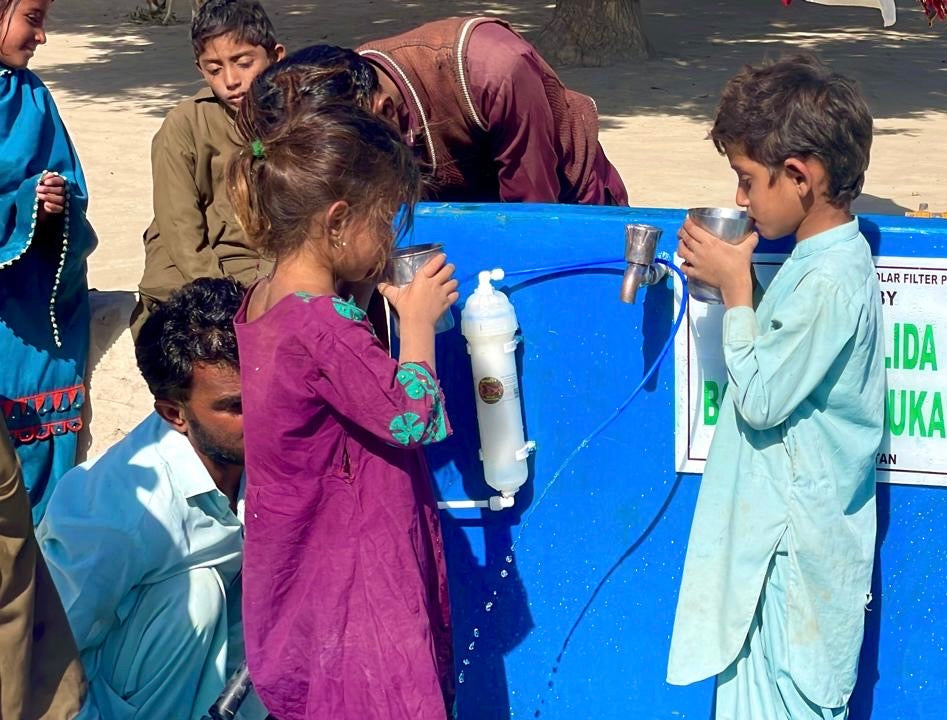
<point x="577" y="625"/>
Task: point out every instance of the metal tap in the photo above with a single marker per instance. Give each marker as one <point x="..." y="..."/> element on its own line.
<point x="640" y="244"/>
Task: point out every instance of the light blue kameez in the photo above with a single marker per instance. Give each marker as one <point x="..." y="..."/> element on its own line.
<point x="792" y="465"/>
<point x="146" y="554"/>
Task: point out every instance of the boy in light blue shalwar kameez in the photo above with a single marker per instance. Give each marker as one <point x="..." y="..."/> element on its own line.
<point x="779" y="561"/>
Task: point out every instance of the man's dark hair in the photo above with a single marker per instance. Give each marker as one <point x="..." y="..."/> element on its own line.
<point x="245" y="19"/>
<point x="195" y="325"/>
<point x="798" y="107"/>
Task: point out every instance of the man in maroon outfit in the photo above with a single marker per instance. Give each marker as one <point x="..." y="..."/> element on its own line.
<point x="490" y="119"/>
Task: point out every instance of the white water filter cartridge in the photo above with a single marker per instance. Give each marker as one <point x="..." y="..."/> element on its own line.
<point x="488" y="322"/>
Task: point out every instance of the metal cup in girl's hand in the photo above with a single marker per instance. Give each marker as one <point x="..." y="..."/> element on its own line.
<point x="403" y="265"/>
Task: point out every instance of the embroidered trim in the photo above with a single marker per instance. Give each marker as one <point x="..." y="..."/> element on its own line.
<point x="74" y="397"/>
<point x="459" y="52"/>
<point x="62" y="264"/>
<point x="417" y="102"/>
<point x="42" y="404"/>
<point x="407" y="427"/>
<point x="46" y="431"/>
<point x="436" y="430"/>
<point x="62" y="257"/>
<point x="348" y="309"/>
<point x="29" y="241"/>
<point x="413" y="387"/>
<point x="417" y="383"/>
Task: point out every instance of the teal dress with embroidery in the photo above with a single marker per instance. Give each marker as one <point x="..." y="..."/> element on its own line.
<point x="346" y="614"/>
<point x="44" y="300"/>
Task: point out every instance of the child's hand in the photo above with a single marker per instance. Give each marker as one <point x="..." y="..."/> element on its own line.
<point x="51" y="196"/>
<point x="711" y="260"/>
<point x="427" y="297"/>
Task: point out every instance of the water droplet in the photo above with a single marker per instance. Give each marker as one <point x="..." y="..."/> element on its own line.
<point x="476" y="632"/>
<point x="503" y="573"/>
<point x="509" y="558"/>
<point x="460" y="678"/>
<point x="488" y="607"/>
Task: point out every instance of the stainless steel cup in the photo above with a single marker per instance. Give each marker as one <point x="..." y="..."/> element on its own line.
<point x="403" y="265"/>
<point x="731" y="226"/>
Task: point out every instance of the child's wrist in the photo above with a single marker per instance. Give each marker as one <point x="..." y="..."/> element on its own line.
<point x="738" y="292"/>
<point x="415" y="324"/>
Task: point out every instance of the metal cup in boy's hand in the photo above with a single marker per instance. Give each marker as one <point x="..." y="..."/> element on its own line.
<point x="731" y="226"/>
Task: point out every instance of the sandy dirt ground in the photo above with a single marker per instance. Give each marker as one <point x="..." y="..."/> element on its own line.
<point x="114" y="79"/>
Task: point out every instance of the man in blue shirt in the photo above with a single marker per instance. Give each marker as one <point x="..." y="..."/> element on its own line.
<point x="145" y="543"/>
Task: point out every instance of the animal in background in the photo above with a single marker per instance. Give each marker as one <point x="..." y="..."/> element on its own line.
<point x="157" y="7"/>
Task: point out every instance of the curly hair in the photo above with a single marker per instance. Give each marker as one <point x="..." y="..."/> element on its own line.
<point x="195" y="325"/>
<point x="304" y="153"/>
<point x="798" y="107"/>
<point x="246" y="19"/>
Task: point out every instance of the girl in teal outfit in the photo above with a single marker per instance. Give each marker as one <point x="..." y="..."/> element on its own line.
<point x="44" y="242"/>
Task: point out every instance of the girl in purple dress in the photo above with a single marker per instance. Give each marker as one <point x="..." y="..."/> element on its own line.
<point x="346" y="612"/>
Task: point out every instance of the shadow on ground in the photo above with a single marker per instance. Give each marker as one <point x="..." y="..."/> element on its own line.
<point x="695" y="57"/>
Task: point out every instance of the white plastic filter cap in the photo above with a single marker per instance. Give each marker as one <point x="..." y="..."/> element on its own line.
<point x="485" y="276"/>
<point x="488" y="312"/>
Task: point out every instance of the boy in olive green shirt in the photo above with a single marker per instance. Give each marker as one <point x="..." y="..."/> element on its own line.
<point x="194" y="233"/>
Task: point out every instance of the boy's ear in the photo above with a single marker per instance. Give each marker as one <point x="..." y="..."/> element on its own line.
<point x="800" y="174"/>
<point x="173" y="414"/>
<point x="384" y="107"/>
<point x="279" y="52"/>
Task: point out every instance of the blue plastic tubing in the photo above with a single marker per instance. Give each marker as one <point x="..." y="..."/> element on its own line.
<point x="577" y="267"/>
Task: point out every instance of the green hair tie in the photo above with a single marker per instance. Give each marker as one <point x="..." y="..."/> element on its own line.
<point x="256" y="146"/>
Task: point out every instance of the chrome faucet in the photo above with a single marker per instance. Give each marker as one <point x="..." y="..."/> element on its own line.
<point x="640" y="244"/>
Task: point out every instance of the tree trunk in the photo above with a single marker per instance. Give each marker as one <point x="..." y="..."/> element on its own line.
<point x="594" y="32"/>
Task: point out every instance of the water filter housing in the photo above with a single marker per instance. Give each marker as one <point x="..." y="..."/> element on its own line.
<point x="488" y="322"/>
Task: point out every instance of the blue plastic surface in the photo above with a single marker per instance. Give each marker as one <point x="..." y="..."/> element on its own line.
<point x="580" y="624"/>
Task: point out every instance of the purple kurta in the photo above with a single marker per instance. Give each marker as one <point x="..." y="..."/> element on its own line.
<point x="346" y="614"/>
